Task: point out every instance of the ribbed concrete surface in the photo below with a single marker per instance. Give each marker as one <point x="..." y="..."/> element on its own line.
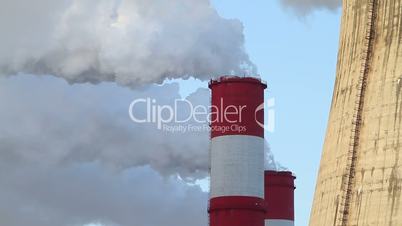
<point x="375" y="198"/>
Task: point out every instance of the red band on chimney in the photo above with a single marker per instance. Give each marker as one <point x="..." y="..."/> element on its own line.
<point x="237" y="211"/>
<point x="233" y="112"/>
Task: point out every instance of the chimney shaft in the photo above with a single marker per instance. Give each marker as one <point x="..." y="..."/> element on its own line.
<point x="237" y="152"/>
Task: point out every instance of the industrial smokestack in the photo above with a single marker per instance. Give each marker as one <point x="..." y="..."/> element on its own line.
<point x="279" y="197"/>
<point x="237" y="152"/>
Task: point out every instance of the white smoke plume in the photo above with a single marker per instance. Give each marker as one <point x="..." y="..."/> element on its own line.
<point x="48" y="122"/>
<point x="270" y="162"/>
<point x="130" y="42"/>
<point x="69" y="156"/>
<point x="304" y="7"/>
<point x="81" y="194"/>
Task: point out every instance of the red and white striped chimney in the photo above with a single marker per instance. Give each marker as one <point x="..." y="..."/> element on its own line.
<point x="237" y="152"/>
<point x="279" y="196"/>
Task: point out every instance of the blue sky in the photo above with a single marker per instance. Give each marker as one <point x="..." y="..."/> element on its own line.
<point x="297" y="57"/>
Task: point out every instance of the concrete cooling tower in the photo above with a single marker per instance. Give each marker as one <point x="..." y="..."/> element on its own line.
<point x="360" y="176"/>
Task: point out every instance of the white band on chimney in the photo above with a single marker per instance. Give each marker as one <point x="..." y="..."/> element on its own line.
<point x="273" y="222"/>
<point x="238" y="162"/>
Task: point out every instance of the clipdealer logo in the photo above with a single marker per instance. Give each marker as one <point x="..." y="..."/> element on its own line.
<point x="183" y="116"/>
<point x="270" y="113"/>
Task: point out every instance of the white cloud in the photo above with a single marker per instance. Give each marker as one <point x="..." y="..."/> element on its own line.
<point x="303" y="7"/>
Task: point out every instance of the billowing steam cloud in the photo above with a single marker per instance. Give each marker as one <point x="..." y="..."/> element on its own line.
<point x="68" y="158"/>
<point x="131" y="42"/>
<point x="47" y="122"/>
<point x="303" y="7"/>
<point x="87" y="194"/>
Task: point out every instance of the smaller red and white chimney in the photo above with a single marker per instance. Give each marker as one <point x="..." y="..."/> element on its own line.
<point x="279" y="198"/>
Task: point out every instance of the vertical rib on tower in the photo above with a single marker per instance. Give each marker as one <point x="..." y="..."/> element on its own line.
<point x="350" y="171"/>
